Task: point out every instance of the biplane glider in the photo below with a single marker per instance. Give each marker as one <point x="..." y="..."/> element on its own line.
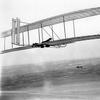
<point x="17" y="29"/>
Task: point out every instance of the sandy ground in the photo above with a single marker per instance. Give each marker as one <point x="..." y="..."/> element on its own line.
<point x="83" y="91"/>
<point x="58" y="83"/>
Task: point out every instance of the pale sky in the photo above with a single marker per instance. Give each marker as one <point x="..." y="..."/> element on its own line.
<point x="34" y="10"/>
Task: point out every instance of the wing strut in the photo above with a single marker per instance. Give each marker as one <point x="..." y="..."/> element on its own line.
<point x="28" y="35"/>
<point x="39" y="35"/>
<point x="41" y="32"/>
<point x="74" y="28"/>
<point x="64" y="25"/>
<point x="4" y="43"/>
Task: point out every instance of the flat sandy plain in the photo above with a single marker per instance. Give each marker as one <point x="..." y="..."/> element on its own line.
<point x="64" y="80"/>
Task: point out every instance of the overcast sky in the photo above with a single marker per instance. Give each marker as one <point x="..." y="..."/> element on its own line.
<point x="33" y="10"/>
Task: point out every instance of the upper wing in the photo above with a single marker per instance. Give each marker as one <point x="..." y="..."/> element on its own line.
<point x="57" y="19"/>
